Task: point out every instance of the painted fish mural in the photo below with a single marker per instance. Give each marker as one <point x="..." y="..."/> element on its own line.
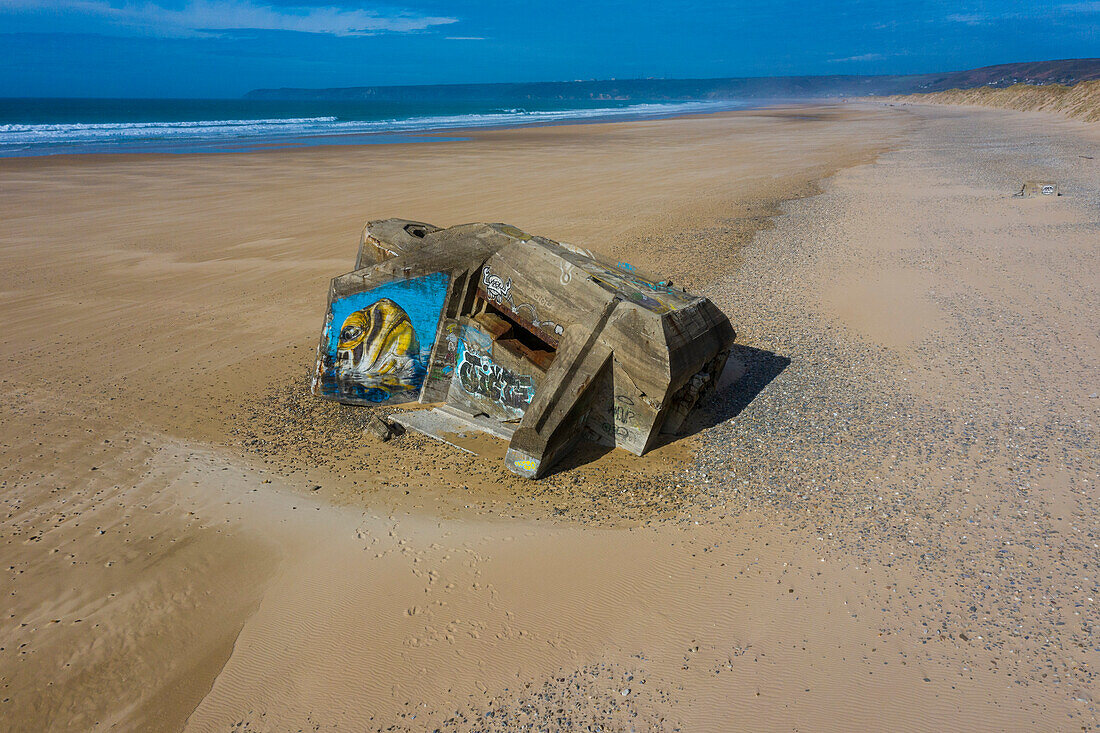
<point x="378" y="349"/>
<point x="380" y="341"/>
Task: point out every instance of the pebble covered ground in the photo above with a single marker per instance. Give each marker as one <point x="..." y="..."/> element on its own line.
<point x="596" y="697"/>
<point x="604" y="697"/>
<point x="296" y="434"/>
<point x="966" y="465"/>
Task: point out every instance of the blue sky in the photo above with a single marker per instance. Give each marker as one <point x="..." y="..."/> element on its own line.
<point x="223" y="48"/>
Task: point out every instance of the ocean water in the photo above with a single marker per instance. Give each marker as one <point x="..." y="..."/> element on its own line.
<point x="30" y="127"/>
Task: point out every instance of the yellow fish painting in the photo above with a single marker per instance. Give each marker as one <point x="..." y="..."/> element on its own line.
<point x="378" y="349"/>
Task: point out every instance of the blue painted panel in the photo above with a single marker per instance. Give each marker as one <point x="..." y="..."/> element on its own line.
<point x="379" y="341"/>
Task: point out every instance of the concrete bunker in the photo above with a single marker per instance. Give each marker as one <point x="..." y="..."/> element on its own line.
<point x="534" y="341"/>
<point x="1031" y="189"/>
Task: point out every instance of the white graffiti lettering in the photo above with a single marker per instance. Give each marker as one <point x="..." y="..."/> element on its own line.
<point x="478" y="375"/>
<point x="496" y="288"/>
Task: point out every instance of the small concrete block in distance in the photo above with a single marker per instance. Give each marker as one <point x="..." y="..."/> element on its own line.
<point x="1039" y="188"/>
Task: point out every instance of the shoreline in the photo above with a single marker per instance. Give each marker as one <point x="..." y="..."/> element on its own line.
<point x="274" y="141"/>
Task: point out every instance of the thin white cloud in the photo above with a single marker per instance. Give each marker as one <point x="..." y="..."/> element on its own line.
<point x="861" y="57"/>
<point x="1028" y="12"/>
<point x="465" y="38"/>
<point x="969" y="18"/>
<point x="1086" y="7"/>
<point x="199" y="17"/>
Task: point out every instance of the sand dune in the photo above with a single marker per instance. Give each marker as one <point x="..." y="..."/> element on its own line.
<point x="1080" y="101"/>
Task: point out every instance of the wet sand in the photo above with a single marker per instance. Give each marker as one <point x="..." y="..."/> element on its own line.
<point x="889" y="522"/>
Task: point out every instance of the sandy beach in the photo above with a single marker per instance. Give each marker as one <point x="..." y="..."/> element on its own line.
<point x="888" y="522"/>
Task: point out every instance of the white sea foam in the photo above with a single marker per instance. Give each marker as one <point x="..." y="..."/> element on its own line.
<point x="82" y="132"/>
<point x="78" y="135"/>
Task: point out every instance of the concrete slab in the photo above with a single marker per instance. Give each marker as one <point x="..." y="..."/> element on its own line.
<point x="497" y="429"/>
<point x="434" y="424"/>
<point x="446" y="420"/>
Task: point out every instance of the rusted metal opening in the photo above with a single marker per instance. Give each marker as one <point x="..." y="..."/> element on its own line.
<point x="513" y="335"/>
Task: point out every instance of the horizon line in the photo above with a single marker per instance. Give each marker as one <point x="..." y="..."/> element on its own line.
<point x="568" y="81"/>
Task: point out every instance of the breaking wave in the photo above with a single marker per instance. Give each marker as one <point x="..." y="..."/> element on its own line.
<point x="76" y="137"/>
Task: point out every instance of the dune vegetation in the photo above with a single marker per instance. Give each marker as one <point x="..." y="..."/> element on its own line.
<point x="1080" y="101"/>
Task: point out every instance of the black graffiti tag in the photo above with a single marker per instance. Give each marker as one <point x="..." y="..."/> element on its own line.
<point x="623" y="414"/>
<point x="482" y="377"/>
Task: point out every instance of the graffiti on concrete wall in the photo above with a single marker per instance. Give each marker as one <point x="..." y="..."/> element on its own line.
<point x="495" y="286"/>
<point x="656" y="297"/>
<point x="566" y="272"/>
<point x="528" y="315"/>
<point x="620" y="420"/>
<point x="377" y="343"/>
<point x="624" y="409"/>
<point x="447" y="353"/>
<point x="478" y="375"/>
<point x="624" y="279"/>
<point x="497" y="290"/>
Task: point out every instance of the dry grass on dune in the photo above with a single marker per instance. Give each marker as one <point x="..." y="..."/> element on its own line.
<point x="1081" y="101"/>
